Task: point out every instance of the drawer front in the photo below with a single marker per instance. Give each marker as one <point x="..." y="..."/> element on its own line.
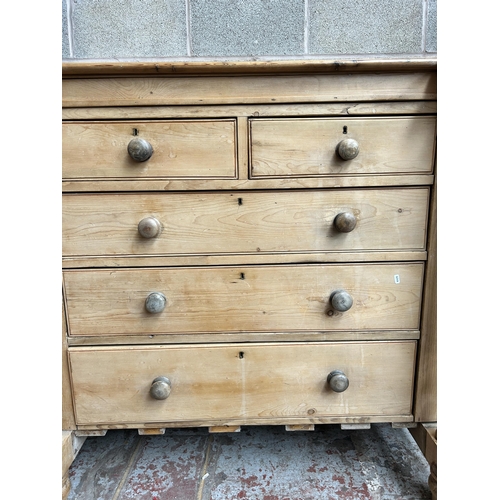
<point x="287" y="298"/>
<point x="226" y="381"/>
<point x="244" y="222"/>
<point x="181" y="149"/>
<point x="309" y="147"/>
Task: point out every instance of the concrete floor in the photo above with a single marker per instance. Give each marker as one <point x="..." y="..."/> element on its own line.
<point x="258" y="463"/>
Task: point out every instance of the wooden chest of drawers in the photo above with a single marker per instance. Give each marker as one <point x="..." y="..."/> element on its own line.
<point x="248" y="243"/>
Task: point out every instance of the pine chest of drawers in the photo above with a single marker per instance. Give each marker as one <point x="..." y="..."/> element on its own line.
<point x="247" y="244"/>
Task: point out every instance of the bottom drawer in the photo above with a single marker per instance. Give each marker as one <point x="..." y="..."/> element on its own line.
<point x="242" y="383"/>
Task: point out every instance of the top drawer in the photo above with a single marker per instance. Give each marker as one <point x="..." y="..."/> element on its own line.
<point x="304" y="147"/>
<point x="181" y="149"/>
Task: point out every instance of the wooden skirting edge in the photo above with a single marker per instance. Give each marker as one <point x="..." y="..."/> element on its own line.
<point x="176" y="68"/>
<point x="224" y="428"/>
<point x="71" y="445"/>
<point x="425" y="435"/>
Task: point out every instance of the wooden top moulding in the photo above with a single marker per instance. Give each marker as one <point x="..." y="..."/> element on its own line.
<point x="77" y="69"/>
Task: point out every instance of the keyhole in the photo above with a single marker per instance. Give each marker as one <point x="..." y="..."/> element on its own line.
<point x="135" y="131"/>
<point x="345" y="129"/>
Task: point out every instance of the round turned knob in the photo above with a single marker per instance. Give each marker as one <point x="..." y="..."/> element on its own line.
<point x="345" y="222"/>
<point x="341" y="301"/>
<point x="140" y="149"/>
<point x="160" y="388"/>
<point x="156" y="302"/>
<point x="348" y="149"/>
<point x="149" y="227"/>
<point x="337" y="381"/>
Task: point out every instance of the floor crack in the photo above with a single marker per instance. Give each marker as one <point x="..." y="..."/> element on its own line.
<point x="130" y="464"/>
<point x="204" y="473"/>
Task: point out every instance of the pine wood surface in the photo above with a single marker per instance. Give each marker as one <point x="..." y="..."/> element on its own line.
<point x="67" y="459"/>
<point x="240" y="299"/>
<point x="337" y="181"/>
<point x="68" y="419"/>
<point x="209" y="382"/>
<point x="426" y="383"/>
<point x="71" y="445"/>
<point x="244" y="222"/>
<point x="67" y="451"/>
<point x="234" y="67"/>
<point x="350" y="108"/>
<point x="254" y="275"/>
<point x="224" y="337"/>
<point x="148" y="91"/>
<point x="93" y="429"/>
<point x="302" y="147"/>
<point x="181" y="149"/>
<point x="257" y="258"/>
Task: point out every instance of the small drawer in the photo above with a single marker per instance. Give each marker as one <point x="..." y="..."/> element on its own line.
<point x="264" y="298"/>
<point x="304" y="147"/>
<point x="148" y="149"/>
<point x="244" y="222"/>
<point x="250" y="383"/>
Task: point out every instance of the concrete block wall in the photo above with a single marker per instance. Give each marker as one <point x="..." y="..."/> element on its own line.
<point x="242" y="29"/>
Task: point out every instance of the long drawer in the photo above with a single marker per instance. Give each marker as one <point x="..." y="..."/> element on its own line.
<point x="112" y="385"/>
<point x="302" y="147"/>
<point x="262" y="298"/>
<point x="180" y="149"/>
<point x="244" y="222"/>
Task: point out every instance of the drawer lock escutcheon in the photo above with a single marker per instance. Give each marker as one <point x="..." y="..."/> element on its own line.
<point x="160" y="388"/>
<point x="149" y="227"/>
<point x="140" y="149"/>
<point x="155" y="302"/>
<point x="337" y="381"/>
<point x="341" y="300"/>
<point x="348" y="149"/>
<point x="345" y="222"/>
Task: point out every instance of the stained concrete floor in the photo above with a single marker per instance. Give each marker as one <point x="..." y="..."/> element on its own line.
<point x="258" y="463"/>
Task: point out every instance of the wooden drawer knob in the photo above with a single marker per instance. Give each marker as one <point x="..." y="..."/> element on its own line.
<point x="348" y="149"/>
<point x="345" y="222"/>
<point x="140" y="149"/>
<point x="337" y="381"/>
<point x="149" y="227"/>
<point x="160" y="388"/>
<point x="341" y="300"/>
<point x="156" y="302"/>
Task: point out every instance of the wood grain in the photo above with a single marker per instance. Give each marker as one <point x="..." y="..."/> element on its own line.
<point x="244" y="222"/>
<point x="160" y="90"/>
<point x="307" y="147"/>
<point x="426" y="381"/>
<point x="246" y="181"/>
<point x="347" y="181"/>
<point x="67" y="413"/>
<point x="231" y="67"/>
<point x="243" y="299"/>
<point x="333" y="419"/>
<point x="79" y="262"/>
<point x="271" y="336"/>
<point x="182" y="149"/>
<point x="351" y="108"/>
<point x="241" y="381"/>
